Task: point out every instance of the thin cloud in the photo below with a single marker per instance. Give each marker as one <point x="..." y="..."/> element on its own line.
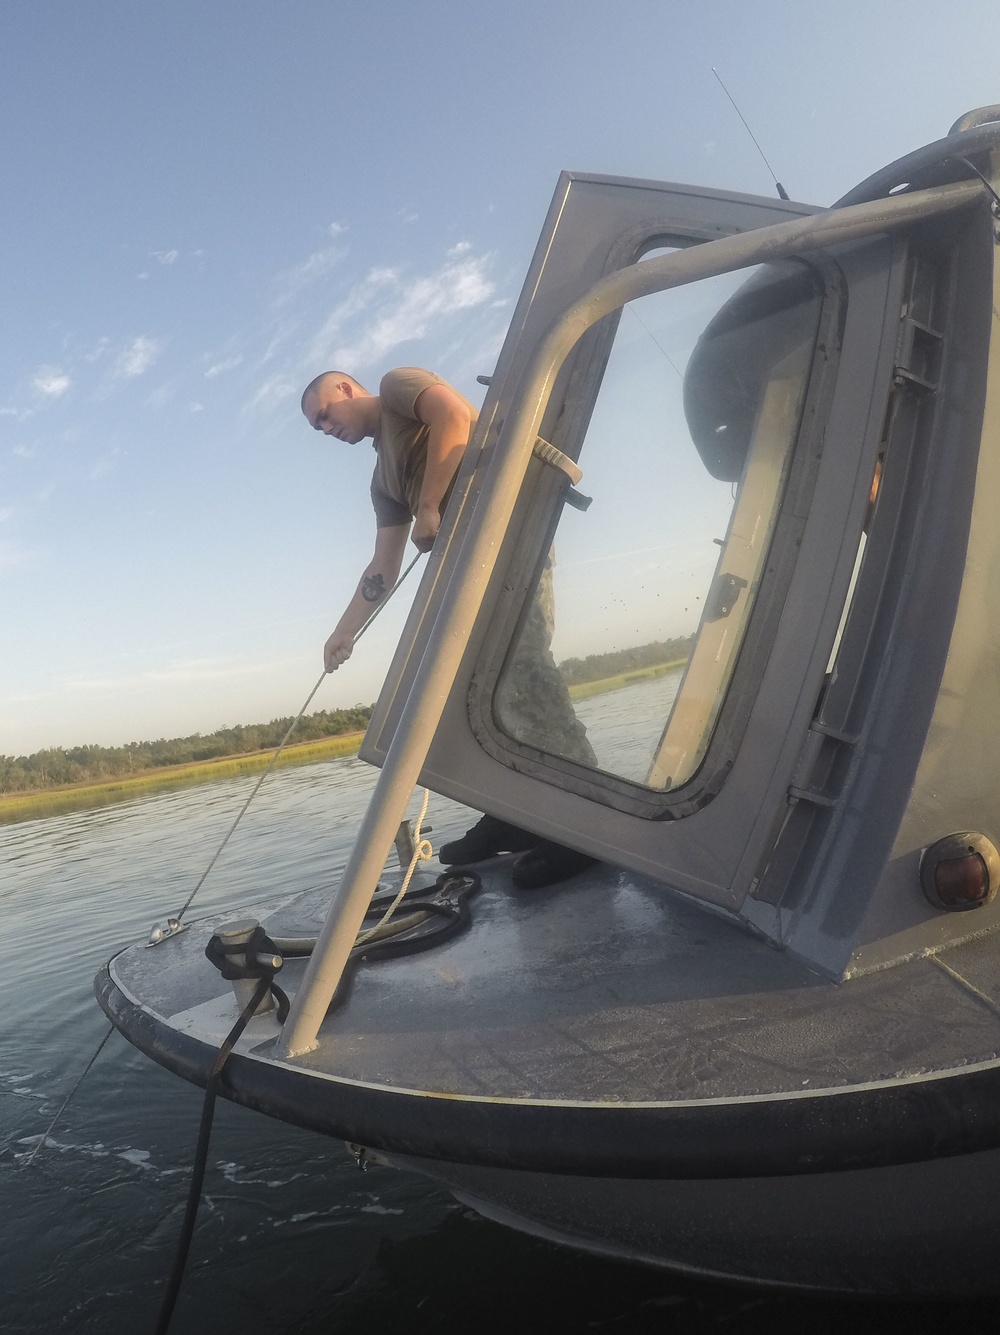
<point x="166" y="256"/>
<point x="278" y="337"/>
<point x="220" y="368"/>
<point x="313" y="269"/>
<point x="162" y="395"/>
<point x="272" y="392"/>
<point x="357" y="301"/>
<point x="98" y="350"/>
<point x="51" y="382"/>
<point x="410" y="310"/>
<point x="136" y="359"/>
<point x="105" y="464"/>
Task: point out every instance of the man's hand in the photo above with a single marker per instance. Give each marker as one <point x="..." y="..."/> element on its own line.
<point x="425" y="528"/>
<point x="337" y="650"/>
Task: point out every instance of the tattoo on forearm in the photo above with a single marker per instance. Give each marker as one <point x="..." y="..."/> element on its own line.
<point x="372" y="588"/>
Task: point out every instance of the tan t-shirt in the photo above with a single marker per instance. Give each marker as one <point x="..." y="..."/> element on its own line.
<point x="401" y="445"/>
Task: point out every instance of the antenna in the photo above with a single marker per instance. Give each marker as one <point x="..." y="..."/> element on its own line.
<point x="782" y="193"/>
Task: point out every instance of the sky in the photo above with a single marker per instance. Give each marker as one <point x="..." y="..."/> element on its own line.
<point x="206" y="204"/>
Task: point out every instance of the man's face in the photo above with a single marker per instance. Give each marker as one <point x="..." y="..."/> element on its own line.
<point x="334" y="411"/>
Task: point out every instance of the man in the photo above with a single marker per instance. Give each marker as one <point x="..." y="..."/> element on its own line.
<point x="419" y="426"/>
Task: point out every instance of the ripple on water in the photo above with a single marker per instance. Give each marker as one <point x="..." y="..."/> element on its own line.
<point x="293" y="1237"/>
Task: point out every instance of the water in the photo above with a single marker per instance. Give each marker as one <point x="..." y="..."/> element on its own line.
<point x="291" y="1236"/>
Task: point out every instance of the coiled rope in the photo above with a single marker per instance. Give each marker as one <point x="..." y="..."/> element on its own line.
<point x="423" y="852"/>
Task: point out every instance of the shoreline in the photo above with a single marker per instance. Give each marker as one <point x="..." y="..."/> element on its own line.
<point x="584" y="689"/>
<point x="37" y="803"/>
<point x="33" y="803"/>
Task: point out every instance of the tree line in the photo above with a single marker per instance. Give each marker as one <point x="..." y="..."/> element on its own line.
<point x="58" y="765"/>
<point x="595" y="667"/>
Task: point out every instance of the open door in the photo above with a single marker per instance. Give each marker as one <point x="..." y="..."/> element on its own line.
<point x="725" y="430"/>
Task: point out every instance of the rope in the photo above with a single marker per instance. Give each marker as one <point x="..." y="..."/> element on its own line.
<point x="423" y="852"/>
<point x="281" y="746"/>
<point x="65" y="1103"/>
<point x="201" y="1157"/>
<point x="256" y="789"/>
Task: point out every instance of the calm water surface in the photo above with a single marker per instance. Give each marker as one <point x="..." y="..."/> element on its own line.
<point x="291" y="1236"/>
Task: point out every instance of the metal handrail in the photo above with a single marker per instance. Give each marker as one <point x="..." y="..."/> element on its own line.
<point x="476" y="557"/>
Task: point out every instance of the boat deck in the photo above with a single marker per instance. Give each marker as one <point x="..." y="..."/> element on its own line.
<point x="606" y="990"/>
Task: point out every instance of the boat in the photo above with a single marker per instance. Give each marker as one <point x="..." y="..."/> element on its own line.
<point x="759" y="1038"/>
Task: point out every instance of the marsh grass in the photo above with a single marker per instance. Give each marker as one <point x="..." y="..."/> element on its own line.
<point x="38" y="803"/>
<point x="76" y="797"/>
<point x="584" y="689"/>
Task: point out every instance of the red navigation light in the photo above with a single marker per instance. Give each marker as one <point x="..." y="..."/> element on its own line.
<point x="960" y="872"/>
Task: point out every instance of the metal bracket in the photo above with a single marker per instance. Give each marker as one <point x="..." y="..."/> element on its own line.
<point x="722" y="596"/>
<point x="555" y="458"/>
<point x="919" y="345"/>
<point x="918" y="355"/>
<point x="173" y="928"/>
<point x="804" y="787"/>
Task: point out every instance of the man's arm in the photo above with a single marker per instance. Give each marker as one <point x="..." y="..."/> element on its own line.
<point x="449" y="423"/>
<point x="378" y="578"/>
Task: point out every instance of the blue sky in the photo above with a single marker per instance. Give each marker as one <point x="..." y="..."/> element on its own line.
<point x="205" y="204"/>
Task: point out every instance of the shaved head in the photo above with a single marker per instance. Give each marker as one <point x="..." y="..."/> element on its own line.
<point x="328" y="379"/>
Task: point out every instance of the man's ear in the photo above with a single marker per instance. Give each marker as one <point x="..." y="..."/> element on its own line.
<point x="346" y="388"/>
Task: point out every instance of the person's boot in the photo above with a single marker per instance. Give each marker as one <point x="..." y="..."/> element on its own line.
<point x="488" y="837"/>
<point x="547" y="864"/>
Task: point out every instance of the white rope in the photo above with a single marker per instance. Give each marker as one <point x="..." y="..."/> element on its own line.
<point x="281" y="746"/>
<point x="423" y="852"/>
<point x="256" y="789"/>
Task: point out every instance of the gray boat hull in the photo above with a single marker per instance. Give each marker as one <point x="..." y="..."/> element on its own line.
<point x="908" y="1230"/>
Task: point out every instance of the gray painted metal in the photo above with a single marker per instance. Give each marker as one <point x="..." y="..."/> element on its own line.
<point x="474" y="564"/>
<point x="972" y="119"/>
<point x="720" y="852"/>
<point x="601" y="996"/>
<point x="927" y="165"/>
<point x="904" y="1231"/>
<point x="611" y="996"/>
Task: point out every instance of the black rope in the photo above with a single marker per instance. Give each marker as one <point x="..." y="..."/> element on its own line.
<point x="227" y="959"/>
<point x="257" y="957"/>
<point x="201" y="1157"/>
<point x="456" y="918"/>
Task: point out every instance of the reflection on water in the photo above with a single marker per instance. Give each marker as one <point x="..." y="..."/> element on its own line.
<point x="88" y="1228"/>
<point x="624" y="726"/>
<point x="291" y="1237"/>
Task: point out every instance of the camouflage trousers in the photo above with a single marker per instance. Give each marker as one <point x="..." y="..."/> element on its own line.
<point x="532" y="700"/>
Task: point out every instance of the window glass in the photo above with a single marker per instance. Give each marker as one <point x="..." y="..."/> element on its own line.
<point x="626" y="650"/>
